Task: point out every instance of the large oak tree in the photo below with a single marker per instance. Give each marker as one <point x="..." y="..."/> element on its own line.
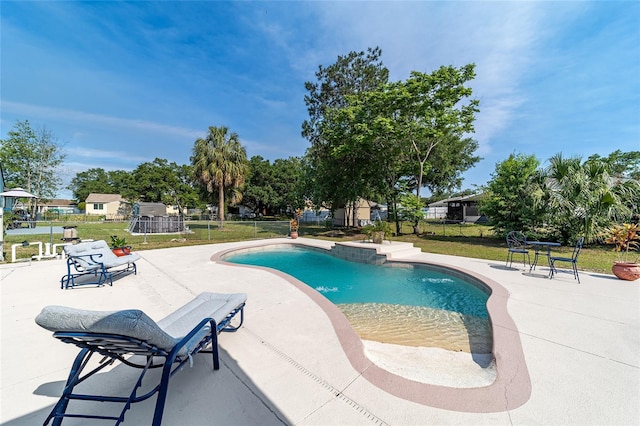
<point x="335" y="179"/>
<point x="415" y="132"/>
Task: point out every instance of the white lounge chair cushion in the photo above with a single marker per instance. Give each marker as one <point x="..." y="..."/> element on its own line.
<point x="205" y="305"/>
<point x="101" y="254"/>
<point x="164" y="334"/>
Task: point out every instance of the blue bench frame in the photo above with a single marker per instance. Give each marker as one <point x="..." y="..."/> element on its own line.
<point x="79" y="265"/>
<point x="102" y="274"/>
<point x="116" y="347"/>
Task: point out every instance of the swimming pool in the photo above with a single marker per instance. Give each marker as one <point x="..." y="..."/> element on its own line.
<point x="497" y="381"/>
<point x="407" y="304"/>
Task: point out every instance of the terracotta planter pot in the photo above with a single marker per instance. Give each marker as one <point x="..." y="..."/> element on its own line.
<point x="377" y="237"/>
<point x="294" y="234"/>
<point x="121" y="251"/>
<point x="627" y="271"/>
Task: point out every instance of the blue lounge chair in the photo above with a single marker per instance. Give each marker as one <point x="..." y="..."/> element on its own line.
<point x="96" y="259"/>
<point x="118" y="334"/>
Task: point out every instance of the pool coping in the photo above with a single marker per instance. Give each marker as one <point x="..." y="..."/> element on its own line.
<point x="511" y="388"/>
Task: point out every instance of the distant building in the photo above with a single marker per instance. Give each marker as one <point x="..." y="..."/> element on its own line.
<point x="379" y="211"/>
<point x="311" y="215"/>
<point x="58" y="206"/>
<point x="111" y="206"/>
<point x="436" y="210"/>
<point x="239" y="211"/>
<point x="462" y="209"/>
<point x="358" y="212"/>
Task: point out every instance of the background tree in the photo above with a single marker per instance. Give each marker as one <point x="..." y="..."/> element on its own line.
<point x="121" y="182"/>
<point x="431" y="114"/>
<point x="220" y="163"/>
<point x="31" y="160"/>
<point x="366" y="157"/>
<point x="583" y="198"/>
<point x="432" y="122"/>
<point x="564" y="201"/>
<point x="259" y="194"/>
<point x="94" y="180"/>
<point x="342" y="173"/>
<point x="274" y="188"/>
<point x="151" y="180"/>
<point x="394" y="132"/>
<point x="161" y="181"/>
<point x="510" y="203"/>
<point x="331" y="173"/>
<point x="621" y="164"/>
<point x="181" y="191"/>
<point x="447" y="162"/>
<point x="411" y="210"/>
<point x="97" y="180"/>
<point x="288" y="183"/>
<point x="357" y="72"/>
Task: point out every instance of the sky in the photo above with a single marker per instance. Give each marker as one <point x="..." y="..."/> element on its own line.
<point x="122" y="83"/>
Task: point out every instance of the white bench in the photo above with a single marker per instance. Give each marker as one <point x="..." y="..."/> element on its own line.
<point x="95" y="258"/>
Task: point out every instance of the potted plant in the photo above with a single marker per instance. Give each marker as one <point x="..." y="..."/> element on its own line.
<point x="119" y="246"/>
<point x="377" y="231"/>
<point x="293" y="226"/>
<point x="625" y="239"/>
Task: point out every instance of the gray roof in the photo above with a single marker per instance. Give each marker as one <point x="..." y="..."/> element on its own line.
<point x="472" y="197"/>
<point x="59" y="202"/>
<point x="103" y="198"/>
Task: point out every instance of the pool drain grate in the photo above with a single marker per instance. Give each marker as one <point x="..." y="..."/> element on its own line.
<point x="333" y="390"/>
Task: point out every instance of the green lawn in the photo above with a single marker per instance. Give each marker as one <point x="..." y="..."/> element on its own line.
<point x="478" y="242"/>
<point x="452" y="239"/>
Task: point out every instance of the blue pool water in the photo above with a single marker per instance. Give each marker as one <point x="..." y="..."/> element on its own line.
<point x="345" y="282"/>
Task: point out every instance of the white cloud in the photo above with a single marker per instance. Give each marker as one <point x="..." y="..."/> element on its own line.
<point x="122" y="123"/>
<point x="71" y="168"/>
<point x="104" y="154"/>
<point x="503" y="39"/>
<point x="131" y="69"/>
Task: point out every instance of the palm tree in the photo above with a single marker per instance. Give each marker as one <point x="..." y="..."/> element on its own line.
<point x="220" y="162"/>
<point x="582" y="198"/>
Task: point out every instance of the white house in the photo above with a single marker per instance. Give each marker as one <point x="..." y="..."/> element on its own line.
<point x="111" y="206"/>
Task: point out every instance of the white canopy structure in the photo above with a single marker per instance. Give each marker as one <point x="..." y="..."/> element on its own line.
<point x="12" y="193"/>
<point x="18" y="193"/>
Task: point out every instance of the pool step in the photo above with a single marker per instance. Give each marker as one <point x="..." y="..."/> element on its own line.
<point x="396" y="250"/>
<point x="367" y="252"/>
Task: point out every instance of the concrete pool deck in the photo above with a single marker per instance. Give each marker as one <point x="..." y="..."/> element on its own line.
<point x="286" y="365"/>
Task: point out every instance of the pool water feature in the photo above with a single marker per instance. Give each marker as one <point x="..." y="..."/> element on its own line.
<point x="403" y="304"/>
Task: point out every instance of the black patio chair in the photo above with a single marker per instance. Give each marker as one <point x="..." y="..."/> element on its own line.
<point x="573" y="260"/>
<point x="517" y="243"/>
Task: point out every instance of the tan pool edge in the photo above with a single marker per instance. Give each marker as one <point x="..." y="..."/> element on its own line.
<point x="511" y="388"/>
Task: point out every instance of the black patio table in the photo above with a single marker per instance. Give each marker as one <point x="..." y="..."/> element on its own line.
<point x="537" y="245"/>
